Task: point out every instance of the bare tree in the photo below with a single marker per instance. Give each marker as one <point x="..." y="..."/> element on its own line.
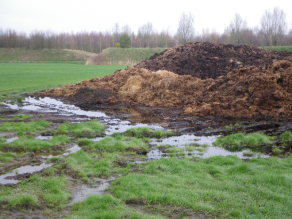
<point x="237" y="31"/>
<point x="273" y="26"/>
<point x="145" y="33"/>
<point x="186" y="30"/>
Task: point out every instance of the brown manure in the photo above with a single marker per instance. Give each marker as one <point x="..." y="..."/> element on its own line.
<point x="243" y="92"/>
<point x="209" y="60"/>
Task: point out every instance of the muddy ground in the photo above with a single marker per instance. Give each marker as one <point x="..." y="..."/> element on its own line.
<point x="167" y="118"/>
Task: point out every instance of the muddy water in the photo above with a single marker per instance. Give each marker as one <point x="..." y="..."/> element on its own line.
<point x="184" y="140"/>
<point x="83" y="191"/>
<point x="36" y="168"/>
<point x="114" y="125"/>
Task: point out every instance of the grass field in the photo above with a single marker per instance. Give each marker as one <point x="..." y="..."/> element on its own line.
<point x="131" y="56"/>
<point x="18" y="78"/>
<point x="278" y="48"/>
<point x="44" y="55"/>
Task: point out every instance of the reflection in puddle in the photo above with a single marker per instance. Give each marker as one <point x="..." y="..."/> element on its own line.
<point x="8" y="140"/>
<point x="22" y="170"/>
<point x="33" y="169"/>
<point x="184" y="140"/>
<point x="85" y="191"/>
<point x="40" y="137"/>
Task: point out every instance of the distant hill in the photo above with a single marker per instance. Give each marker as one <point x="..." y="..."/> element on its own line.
<point x="119" y="56"/>
<point x="44" y="55"/>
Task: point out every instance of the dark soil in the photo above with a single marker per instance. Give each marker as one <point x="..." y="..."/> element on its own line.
<point x="169" y="211"/>
<point x="92" y="95"/>
<point x="208" y="60"/>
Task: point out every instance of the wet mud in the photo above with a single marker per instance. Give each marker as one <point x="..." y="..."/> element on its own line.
<point x="119" y="117"/>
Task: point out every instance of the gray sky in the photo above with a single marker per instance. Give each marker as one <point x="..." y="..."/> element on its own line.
<point x="89" y="15"/>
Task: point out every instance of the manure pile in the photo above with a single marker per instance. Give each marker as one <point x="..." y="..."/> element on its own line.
<point x="208" y="60"/>
<point x="244" y="92"/>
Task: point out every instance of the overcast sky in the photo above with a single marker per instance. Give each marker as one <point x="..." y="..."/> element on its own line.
<point x="89" y="15"/>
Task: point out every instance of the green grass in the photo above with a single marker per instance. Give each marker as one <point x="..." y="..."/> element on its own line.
<point x="118" y="143"/>
<point x="278" y="48"/>
<point x="286" y="136"/>
<point x="7" y="157"/>
<point x="19" y="78"/>
<point x="28" y="143"/>
<point x="23" y="127"/>
<point x="83" y="129"/>
<point x="44" y="55"/>
<point x="93" y="164"/>
<point x="142" y="132"/>
<point x="131" y="56"/>
<point x="224" y="186"/>
<point x="240" y="139"/>
<point x="106" y="206"/>
<point x="18" y="118"/>
<point x="51" y="191"/>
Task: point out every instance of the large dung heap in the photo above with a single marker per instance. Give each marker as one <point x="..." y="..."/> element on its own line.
<point x="246" y="90"/>
<point x="208" y="60"/>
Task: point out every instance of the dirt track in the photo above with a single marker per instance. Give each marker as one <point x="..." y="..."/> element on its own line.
<point x="208" y="60"/>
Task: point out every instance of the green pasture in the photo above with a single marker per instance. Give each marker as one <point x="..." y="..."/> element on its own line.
<point x="18" y="78"/>
<point x="129" y="56"/>
<point x="278" y="48"/>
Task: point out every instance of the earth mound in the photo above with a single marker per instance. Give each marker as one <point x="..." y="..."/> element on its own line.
<point x="243" y="92"/>
<point x="208" y="60"/>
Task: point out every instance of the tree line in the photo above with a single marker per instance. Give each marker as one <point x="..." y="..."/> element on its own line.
<point x="273" y="31"/>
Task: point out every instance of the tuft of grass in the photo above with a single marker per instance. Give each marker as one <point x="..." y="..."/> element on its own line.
<point x="53" y="160"/>
<point x="28" y="143"/>
<point x="19" y="99"/>
<point x="53" y="191"/>
<point x="142" y="132"/>
<point x="84" y="141"/>
<point x="256" y="189"/>
<point x="93" y="164"/>
<point x="7" y="157"/>
<point x="83" y="129"/>
<point x="22" y="127"/>
<point x="240" y="139"/>
<point x="105" y="206"/>
<point x="286" y="136"/>
<point x="119" y="143"/>
<point x="248" y="154"/>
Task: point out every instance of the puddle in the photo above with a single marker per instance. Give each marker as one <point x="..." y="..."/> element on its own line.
<point x="36" y="168"/>
<point x="8" y="140"/>
<point x="184" y="140"/>
<point x="22" y="170"/>
<point x="65" y="109"/>
<point x="84" y="190"/>
<point x="40" y="137"/>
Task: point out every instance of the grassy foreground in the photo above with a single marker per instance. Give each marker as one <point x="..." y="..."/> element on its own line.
<point x="18" y="78"/>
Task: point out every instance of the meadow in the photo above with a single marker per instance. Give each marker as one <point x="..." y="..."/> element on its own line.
<point x="19" y="78"/>
<point x="278" y="48"/>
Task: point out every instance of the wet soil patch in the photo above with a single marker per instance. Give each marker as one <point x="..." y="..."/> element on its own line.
<point x="92" y="95"/>
<point x="208" y="60"/>
<point x="169" y="211"/>
<point x="28" y="159"/>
